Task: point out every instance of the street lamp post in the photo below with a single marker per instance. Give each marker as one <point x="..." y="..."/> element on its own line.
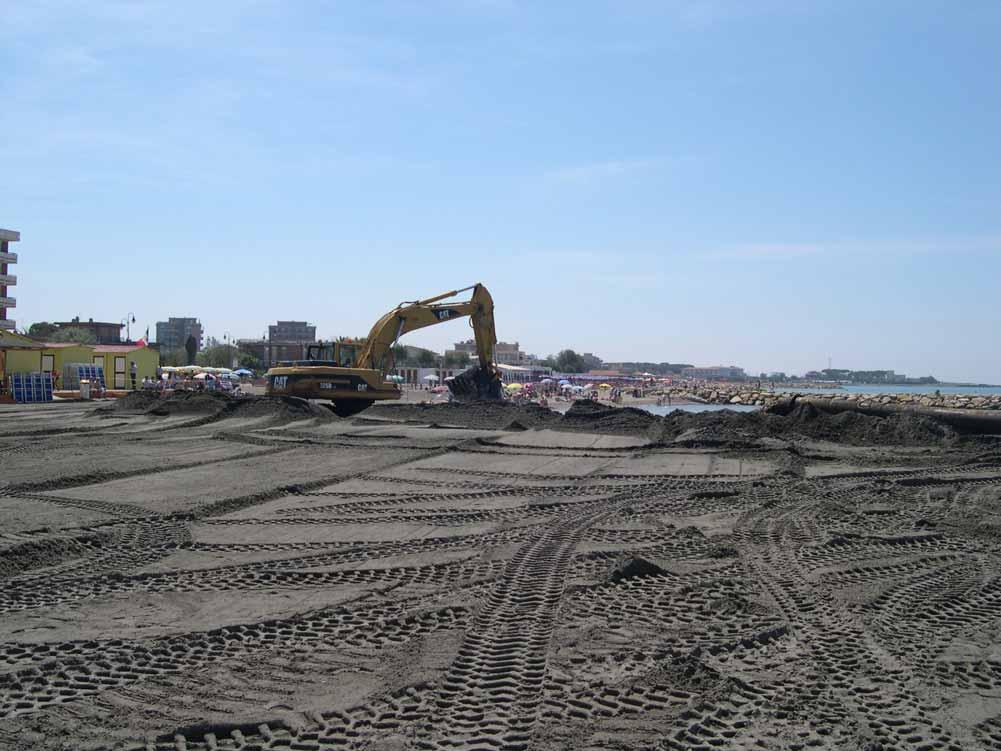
<point x="228" y="338"/>
<point x="127" y="323"/>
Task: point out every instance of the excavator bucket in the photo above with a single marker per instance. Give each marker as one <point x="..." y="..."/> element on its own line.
<point x="475" y="384"/>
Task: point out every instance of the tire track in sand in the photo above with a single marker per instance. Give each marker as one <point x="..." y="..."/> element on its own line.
<point x="492" y="693"/>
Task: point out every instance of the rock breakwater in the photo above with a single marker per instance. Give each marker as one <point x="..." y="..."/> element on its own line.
<point x="733" y="394"/>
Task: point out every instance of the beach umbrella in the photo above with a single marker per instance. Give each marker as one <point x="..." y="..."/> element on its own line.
<point x="244" y="372"/>
<point x="566" y="386"/>
<point x="513" y="386"/>
<point x="439" y="390"/>
<point x="430" y="378"/>
<point x="604" y="385"/>
<point x="546" y="380"/>
<point x="579" y="388"/>
<point x="204" y="376"/>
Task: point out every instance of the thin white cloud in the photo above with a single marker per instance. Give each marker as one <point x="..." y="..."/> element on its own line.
<point x="902" y="247"/>
<point x="593" y="173"/>
<point x="706" y="13"/>
<point x="78" y="61"/>
<point x="771" y="250"/>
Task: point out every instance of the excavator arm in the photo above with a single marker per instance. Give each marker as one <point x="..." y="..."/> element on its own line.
<point x="484" y="382"/>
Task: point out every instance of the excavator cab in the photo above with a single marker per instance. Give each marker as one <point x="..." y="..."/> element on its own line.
<point x="347" y="354"/>
<point x="320" y="352"/>
<point x="334" y="354"/>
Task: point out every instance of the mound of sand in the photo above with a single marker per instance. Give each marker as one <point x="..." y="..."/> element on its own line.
<point x="855" y="427"/>
<point x="280" y="408"/>
<point x="485" y="415"/>
<point x="740" y="429"/>
<point x="723" y="428"/>
<point x="216" y="405"/>
<point x="134" y="401"/>
<point x="590" y="417"/>
<point x="630" y="567"/>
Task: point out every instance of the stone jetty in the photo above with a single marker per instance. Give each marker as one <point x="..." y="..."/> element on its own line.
<point x="737" y="395"/>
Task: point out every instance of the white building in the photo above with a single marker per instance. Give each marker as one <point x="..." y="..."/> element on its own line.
<point x="505" y="353"/>
<point x="419" y="376"/>
<point x="523" y="373"/>
<point x="7" y="281"/>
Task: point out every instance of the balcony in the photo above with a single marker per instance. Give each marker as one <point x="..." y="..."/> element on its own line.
<point x="8" y="280"/>
<point x="7" y="325"/>
<point x="8" y="257"/>
<point x="8" y="302"/>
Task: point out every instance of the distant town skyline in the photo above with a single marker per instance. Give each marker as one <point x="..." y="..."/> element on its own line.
<point x="767" y="183"/>
<point x="305" y="331"/>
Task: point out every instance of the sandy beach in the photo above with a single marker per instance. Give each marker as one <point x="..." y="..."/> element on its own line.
<point x="207" y="573"/>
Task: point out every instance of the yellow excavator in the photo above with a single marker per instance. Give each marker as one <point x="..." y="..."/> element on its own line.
<point x="353" y="375"/>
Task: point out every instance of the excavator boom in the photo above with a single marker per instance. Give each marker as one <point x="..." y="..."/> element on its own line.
<point x="482" y="382"/>
<point x="410" y="316"/>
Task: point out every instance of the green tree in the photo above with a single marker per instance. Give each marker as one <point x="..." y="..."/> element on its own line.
<point x="217" y="356"/>
<point x="569" y="361"/>
<point x="79" y="336"/>
<point x="400" y="355"/>
<point x="190" y="350"/>
<point x="250" y="362"/>
<point x="43" y="331"/>
<point x="427" y="359"/>
<point x="173" y="357"/>
<point x="457" y="359"/>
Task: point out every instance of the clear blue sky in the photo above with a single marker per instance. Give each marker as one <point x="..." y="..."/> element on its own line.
<point x="759" y="182"/>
